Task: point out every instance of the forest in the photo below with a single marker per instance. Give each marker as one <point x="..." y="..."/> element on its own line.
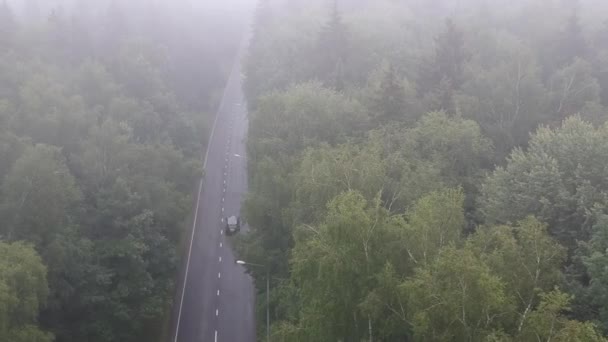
<point x="429" y="170"/>
<point x="104" y="111"/>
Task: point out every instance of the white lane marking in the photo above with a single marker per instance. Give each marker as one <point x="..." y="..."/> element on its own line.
<point x="220" y="259"/>
<point x="218" y="292"/>
<point x="198" y="197"/>
<point x="225" y="173"/>
<point x="222" y="209"/>
<point x="226" y="160"/>
<point x="217" y="312"/>
<point x="224" y="189"/>
<point x="222" y="199"/>
<point x="220" y="244"/>
<point x="221" y="231"/>
<point x="224" y="181"/>
<point x="219" y="275"/>
<point x="222" y="219"/>
<point x="237" y="155"/>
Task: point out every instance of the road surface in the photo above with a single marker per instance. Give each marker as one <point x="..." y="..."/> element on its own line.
<point x="215" y="300"/>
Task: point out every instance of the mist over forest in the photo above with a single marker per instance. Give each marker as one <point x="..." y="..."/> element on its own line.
<point x="418" y="170"/>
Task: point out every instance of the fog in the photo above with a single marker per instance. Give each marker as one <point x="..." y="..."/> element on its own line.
<point x="405" y="170"/>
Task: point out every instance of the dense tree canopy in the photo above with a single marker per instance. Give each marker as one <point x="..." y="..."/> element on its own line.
<point x="437" y="176"/>
<point x="103" y="115"/>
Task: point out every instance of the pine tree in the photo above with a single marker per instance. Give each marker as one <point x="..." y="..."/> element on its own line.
<point x="332" y="51"/>
<point x="572" y="43"/>
<point x="446" y="71"/>
<point x="450" y="55"/>
<point x="389" y="101"/>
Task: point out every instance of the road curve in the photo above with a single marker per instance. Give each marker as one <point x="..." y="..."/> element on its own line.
<point x="215" y="300"/>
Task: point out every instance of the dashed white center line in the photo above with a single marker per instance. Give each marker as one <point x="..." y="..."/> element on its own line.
<point x="221" y="231"/>
<point x="221" y="245"/>
<point x="222" y="209"/>
<point x="216" y="336"/>
<point x="224" y="181"/>
<point x="220" y="259"/>
<point x="222" y="199"/>
<point x="217" y="312"/>
<point x="224" y="189"/>
<point x="218" y="292"/>
<point x="219" y="275"/>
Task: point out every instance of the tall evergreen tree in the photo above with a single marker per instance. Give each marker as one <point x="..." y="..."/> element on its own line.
<point x="445" y="73"/>
<point x="389" y="101"/>
<point x="572" y="42"/>
<point x="332" y="50"/>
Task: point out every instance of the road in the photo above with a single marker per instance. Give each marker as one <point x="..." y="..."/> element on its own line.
<point x="215" y="302"/>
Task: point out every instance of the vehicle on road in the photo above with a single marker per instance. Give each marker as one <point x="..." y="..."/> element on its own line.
<point x="233" y="225"/>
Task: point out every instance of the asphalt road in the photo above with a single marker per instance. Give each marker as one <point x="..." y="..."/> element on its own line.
<point x="216" y="298"/>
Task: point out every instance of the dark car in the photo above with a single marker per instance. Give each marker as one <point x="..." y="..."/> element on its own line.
<point x="233" y="225"/>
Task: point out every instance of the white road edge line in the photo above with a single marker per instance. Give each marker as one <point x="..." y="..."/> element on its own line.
<point x="237" y="59"/>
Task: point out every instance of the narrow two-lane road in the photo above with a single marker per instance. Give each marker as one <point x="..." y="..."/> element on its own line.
<point x="215" y="302"/>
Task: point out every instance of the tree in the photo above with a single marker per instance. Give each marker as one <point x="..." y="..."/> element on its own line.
<point x="572" y="87"/>
<point x="39" y="196"/>
<point x="23" y="293"/>
<point x="526" y="259"/>
<point x="445" y="74"/>
<point x="594" y="256"/>
<point x="332" y="51"/>
<point x="507" y="99"/>
<point x="304" y="115"/>
<point x="547" y="322"/>
<point x="572" y="43"/>
<point x="559" y="180"/>
<point x="435" y="222"/>
<point x="332" y="265"/>
<point x="389" y="102"/>
<point x="326" y="172"/>
<point x="456" y="297"/>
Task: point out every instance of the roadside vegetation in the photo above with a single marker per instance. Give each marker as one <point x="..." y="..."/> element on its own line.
<point x="104" y="111"/>
<point x="425" y="172"/>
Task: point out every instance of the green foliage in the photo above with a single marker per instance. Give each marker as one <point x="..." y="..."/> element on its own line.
<point x="38" y="195"/>
<point x="594" y="258"/>
<point x="572" y="87"/>
<point x="100" y="140"/>
<point x="23" y="292"/>
<point x="559" y="180"/>
<point x="547" y="322"/>
<point x="304" y="115"/>
<point x="507" y="98"/>
<point x="436" y="221"/>
<point x="455" y="298"/>
<point x="445" y="73"/>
